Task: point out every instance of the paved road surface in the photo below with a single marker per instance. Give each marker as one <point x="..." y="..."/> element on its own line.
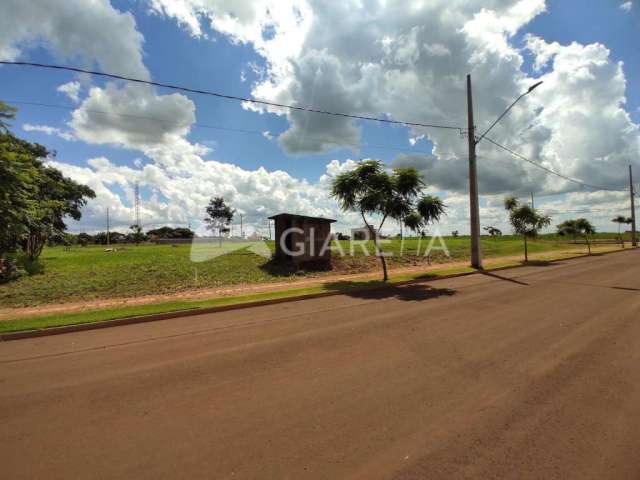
<point x="526" y="373"/>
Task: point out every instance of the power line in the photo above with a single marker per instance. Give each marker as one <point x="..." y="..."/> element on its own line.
<point x="215" y="127"/>
<point x="228" y="97"/>
<point x="554" y="211"/>
<point x="566" y="177"/>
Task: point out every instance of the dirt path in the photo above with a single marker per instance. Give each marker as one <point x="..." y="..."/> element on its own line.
<point x="529" y="373"/>
<point x="249" y="289"/>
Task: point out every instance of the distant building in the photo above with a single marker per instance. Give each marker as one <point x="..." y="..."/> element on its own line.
<point x="302" y="240"/>
<point x="363" y="233"/>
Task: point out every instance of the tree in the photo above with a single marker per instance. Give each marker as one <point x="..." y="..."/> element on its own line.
<point x="370" y="190"/>
<point x="136" y="233"/>
<point x="525" y="220"/>
<point x="219" y="216"/>
<point x="620" y="219"/>
<point x="170" y="233"/>
<point x="493" y="231"/>
<point x="580" y="227"/>
<point x="568" y="229"/>
<point x="18" y="173"/>
<point x="84" y="239"/>
<point x="34" y="198"/>
<point x="7" y="112"/>
<point x="100" y="238"/>
<point x="57" y="197"/>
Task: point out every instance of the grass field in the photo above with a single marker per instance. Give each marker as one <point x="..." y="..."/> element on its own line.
<point x="86" y="273"/>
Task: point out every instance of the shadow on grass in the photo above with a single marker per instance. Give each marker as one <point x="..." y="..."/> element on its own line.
<point x="379" y="290"/>
<point x="278" y="268"/>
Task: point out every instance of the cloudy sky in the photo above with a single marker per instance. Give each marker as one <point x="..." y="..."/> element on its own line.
<point x="394" y="59"/>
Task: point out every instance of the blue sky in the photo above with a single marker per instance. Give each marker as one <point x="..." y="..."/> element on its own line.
<point x="595" y="21"/>
<point x="221" y="59"/>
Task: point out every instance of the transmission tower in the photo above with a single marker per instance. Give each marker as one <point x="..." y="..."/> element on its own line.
<point x="137" y="204"/>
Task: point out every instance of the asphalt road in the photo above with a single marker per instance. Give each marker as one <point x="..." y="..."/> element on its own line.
<point x="526" y="373"/>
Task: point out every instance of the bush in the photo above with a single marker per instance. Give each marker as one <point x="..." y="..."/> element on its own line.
<point x="11" y="268"/>
<point x="32" y="267"/>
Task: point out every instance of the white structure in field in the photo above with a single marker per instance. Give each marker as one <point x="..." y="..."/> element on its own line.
<point x="363" y="233"/>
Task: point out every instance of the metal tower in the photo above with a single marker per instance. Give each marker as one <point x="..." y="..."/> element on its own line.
<point x="137" y="204"/>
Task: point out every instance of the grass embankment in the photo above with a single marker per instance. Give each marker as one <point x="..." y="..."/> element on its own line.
<point x="91" y="273"/>
<point x="99" y="315"/>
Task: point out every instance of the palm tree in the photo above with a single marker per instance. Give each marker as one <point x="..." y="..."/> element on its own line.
<point x="370" y="190"/>
<point x="525" y="220"/>
<point x="580" y="227"/>
<point x="587" y="230"/>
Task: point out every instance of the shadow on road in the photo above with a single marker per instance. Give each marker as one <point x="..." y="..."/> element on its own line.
<point x="630" y="289"/>
<point x="499" y="277"/>
<point x="367" y="290"/>
<point x="539" y="263"/>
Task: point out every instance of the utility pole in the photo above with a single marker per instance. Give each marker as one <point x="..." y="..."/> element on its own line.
<point x="634" y="241"/>
<point x="108" y="242"/>
<point x="269" y="222"/>
<point x="241" y="227"/>
<point x="476" y="254"/>
<point x="532" y="205"/>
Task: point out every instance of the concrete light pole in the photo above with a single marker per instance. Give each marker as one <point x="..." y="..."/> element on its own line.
<point x="474" y="209"/>
<point x="476" y="253"/>
<point x="634" y="241"/>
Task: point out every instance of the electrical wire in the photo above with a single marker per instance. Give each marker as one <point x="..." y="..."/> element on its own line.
<point x="216" y="127"/>
<point x="549" y="170"/>
<point x="298" y="108"/>
<point x="227" y="96"/>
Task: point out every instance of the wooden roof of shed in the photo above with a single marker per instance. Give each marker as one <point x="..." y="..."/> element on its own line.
<point x="301" y="217"/>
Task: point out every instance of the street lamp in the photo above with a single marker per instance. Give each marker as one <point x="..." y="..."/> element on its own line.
<point x="474" y="209"/>
<point x="529" y="90"/>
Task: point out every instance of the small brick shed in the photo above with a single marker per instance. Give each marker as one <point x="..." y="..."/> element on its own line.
<point x="312" y="235"/>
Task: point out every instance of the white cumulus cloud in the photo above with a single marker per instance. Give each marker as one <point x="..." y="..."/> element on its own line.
<point x="71" y="90"/>
<point x="87" y="30"/>
<point x="47" y="130"/>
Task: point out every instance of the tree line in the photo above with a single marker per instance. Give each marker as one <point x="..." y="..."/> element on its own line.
<point x="114" y="237"/>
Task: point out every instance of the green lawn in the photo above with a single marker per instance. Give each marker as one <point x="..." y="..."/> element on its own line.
<point x="85" y="273"/>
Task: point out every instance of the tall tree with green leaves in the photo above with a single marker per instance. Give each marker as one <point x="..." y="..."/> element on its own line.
<point x="525" y="220"/>
<point x="219" y="216"/>
<point x="57" y="197"/>
<point x="18" y="174"/>
<point x="370" y="190"/>
<point x="580" y="227"/>
<point x="35" y="198"/>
